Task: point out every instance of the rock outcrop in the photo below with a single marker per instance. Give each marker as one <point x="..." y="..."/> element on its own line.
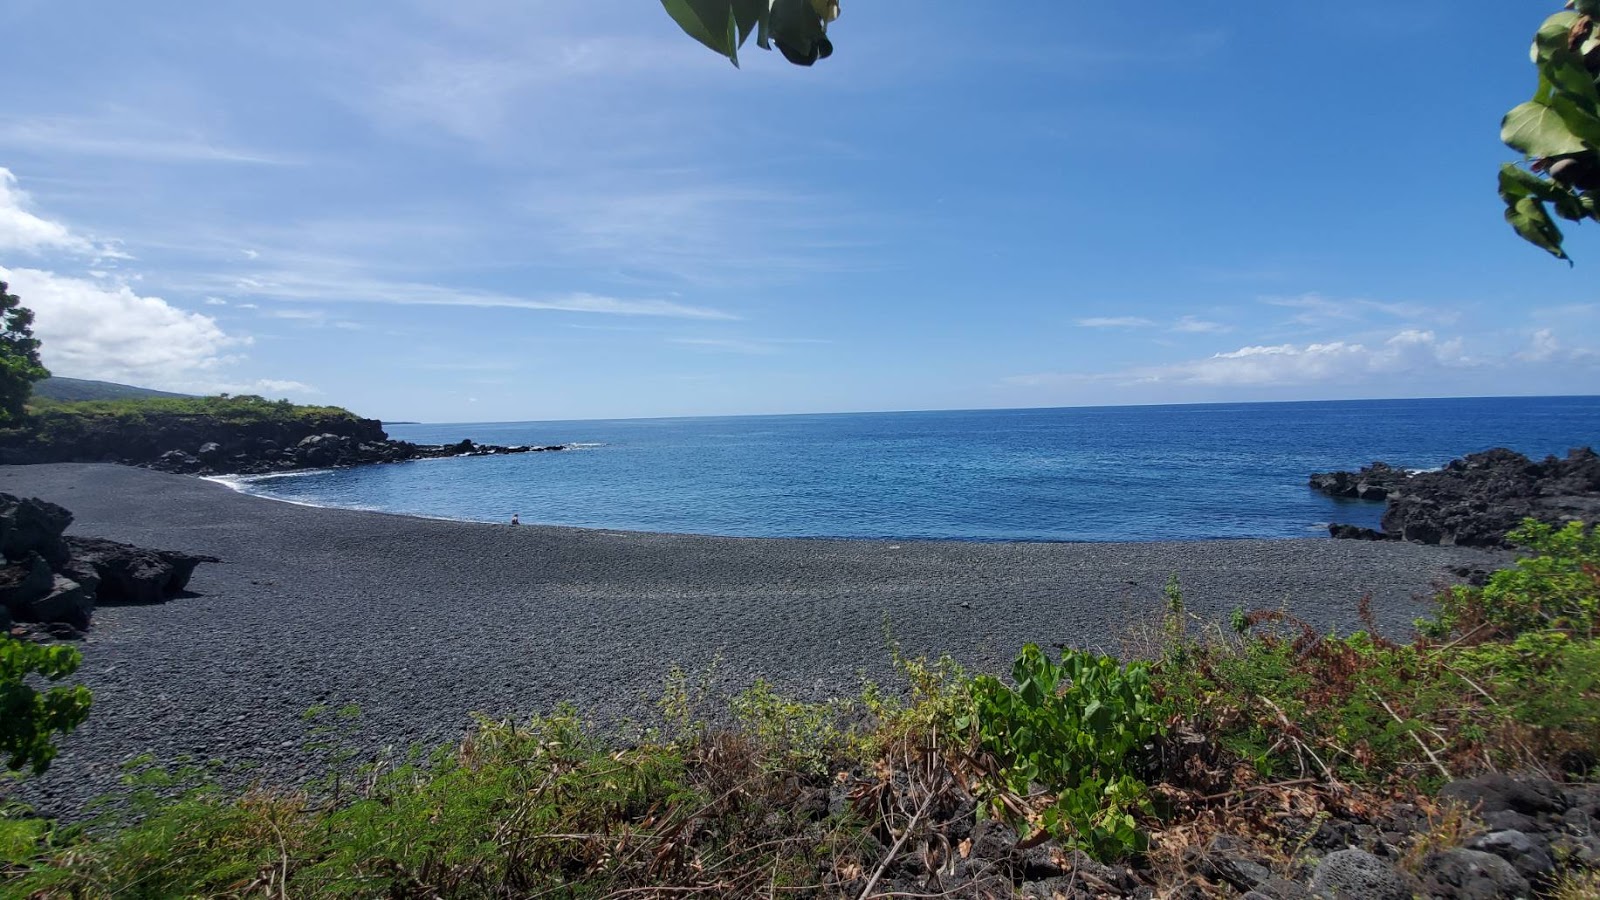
<point x="194" y="444"/>
<point x="53" y="582"/>
<point x="1473" y="501"/>
<point x="316" y="451"/>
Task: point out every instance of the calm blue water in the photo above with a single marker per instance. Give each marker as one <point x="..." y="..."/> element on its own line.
<point x="1102" y="474"/>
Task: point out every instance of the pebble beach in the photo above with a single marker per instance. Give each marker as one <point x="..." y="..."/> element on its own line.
<point x="422" y="623"/>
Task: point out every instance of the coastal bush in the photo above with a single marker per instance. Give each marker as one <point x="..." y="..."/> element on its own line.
<point x="1556" y="588"/>
<point x="1075" y="728"/>
<point x="30" y="718"/>
<point x="1508" y="674"/>
<point x="55" y="419"/>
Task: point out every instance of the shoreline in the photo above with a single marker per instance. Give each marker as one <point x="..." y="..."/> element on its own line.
<point x="421" y="622"/>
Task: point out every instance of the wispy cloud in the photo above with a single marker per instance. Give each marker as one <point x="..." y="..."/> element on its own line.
<point x="1317" y="310"/>
<point x="746" y="346"/>
<point x="1116" y="322"/>
<point x="1197" y="325"/>
<point x="123" y="136"/>
<point x="339" y="288"/>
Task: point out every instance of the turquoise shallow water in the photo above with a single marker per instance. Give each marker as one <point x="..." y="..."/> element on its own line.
<point x="1094" y="474"/>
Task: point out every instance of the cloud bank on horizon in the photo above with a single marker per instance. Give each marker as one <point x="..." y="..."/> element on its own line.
<point x="497" y="210"/>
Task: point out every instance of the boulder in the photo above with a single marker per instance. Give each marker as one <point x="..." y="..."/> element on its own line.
<point x="67" y="601"/>
<point x="1472" y="875"/>
<point x="1498" y="792"/>
<point x="1357" y="533"/>
<point x="1374" y="482"/>
<point x="1358" y="875"/>
<point x="1531" y="860"/>
<point x="321" y="450"/>
<point x="32" y="526"/>
<point x="22" y="583"/>
<point x="131" y="574"/>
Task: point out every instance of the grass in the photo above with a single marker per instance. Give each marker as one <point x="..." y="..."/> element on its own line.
<point x="1266" y="728"/>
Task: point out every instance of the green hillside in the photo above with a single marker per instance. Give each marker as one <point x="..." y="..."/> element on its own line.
<point x="72" y="390"/>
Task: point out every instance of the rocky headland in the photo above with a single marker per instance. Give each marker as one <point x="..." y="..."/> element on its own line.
<point x="232" y="437"/>
<point x="1472" y="502"/>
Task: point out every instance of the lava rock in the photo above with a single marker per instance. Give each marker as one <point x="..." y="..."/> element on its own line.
<point x="1531" y="860"/>
<point x="1472" y="875"/>
<point x="24" y="582"/>
<point x="1358" y="875"/>
<point x="32" y="526"/>
<point x="67" y="601"/>
<point x="129" y="574"/>
<point x="1499" y="792"/>
<point x="1357" y="533"/>
<point x="1474" y="501"/>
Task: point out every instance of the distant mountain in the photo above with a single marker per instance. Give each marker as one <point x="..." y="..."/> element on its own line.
<point x="73" y="389"/>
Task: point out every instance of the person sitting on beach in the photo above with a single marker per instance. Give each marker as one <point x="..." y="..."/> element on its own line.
<point x="515" y="520"/>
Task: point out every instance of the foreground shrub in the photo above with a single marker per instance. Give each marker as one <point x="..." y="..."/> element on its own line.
<point x="1075" y="728"/>
<point x="30" y="718"/>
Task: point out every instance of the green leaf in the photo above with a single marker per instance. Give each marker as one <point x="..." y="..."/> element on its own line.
<point x="1538" y="131"/>
<point x="1529" y="218"/>
<point x="1589" y="8"/>
<point x="1567" y="72"/>
<point x="1552" y="35"/>
<point x="751" y="15"/>
<point x="711" y="22"/>
<point x="1579" y="118"/>
<point x="1516" y="183"/>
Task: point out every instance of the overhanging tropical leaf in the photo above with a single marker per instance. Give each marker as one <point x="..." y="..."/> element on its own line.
<point x="711" y="22"/>
<point x="1529" y="218"/>
<point x="1552" y="35"/>
<point x="1538" y="131"/>
<point x="1516" y="183"/>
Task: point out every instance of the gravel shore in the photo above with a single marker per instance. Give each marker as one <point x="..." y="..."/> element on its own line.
<point x="423" y="622"/>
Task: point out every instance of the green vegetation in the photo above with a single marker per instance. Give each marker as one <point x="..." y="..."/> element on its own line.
<point x="799" y="28"/>
<point x="1074" y="728"/>
<point x="1212" y="728"/>
<point x="1558" y="132"/>
<point x="128" y="424"/>
<point x="30" y="718"/>
<point x="71" y="390"/>
<point x="243" y="409"/>
<point x="19" y="355"/>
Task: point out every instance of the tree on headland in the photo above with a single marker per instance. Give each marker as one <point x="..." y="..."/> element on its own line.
<point x="19" y="355"/>
<point x="1558" y="132"/>
<point x="799" y="28"/>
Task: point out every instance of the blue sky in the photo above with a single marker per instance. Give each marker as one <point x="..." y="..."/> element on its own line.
<point x="510" y="209"/>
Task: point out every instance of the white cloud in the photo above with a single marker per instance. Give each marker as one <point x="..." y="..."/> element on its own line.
<point x="95" y="329"/>
<point x="1288" y="364"/>
<point x="1197" y="325"/>
<point x="1115" y="322"/>
<point x="22" y="231"/>
<point x="266" y="387"/>
<point x="216" y="301"/>
<point x="1542" y="347"/>
<point x="1409" y="352"/>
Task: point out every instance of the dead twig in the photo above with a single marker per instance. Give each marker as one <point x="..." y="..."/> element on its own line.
<point x="889" y="858"/>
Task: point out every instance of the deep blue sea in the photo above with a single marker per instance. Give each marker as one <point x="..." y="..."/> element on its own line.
<point x="1089" y="474"/>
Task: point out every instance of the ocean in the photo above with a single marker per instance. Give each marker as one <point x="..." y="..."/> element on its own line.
<point x="1147" y="473"/>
